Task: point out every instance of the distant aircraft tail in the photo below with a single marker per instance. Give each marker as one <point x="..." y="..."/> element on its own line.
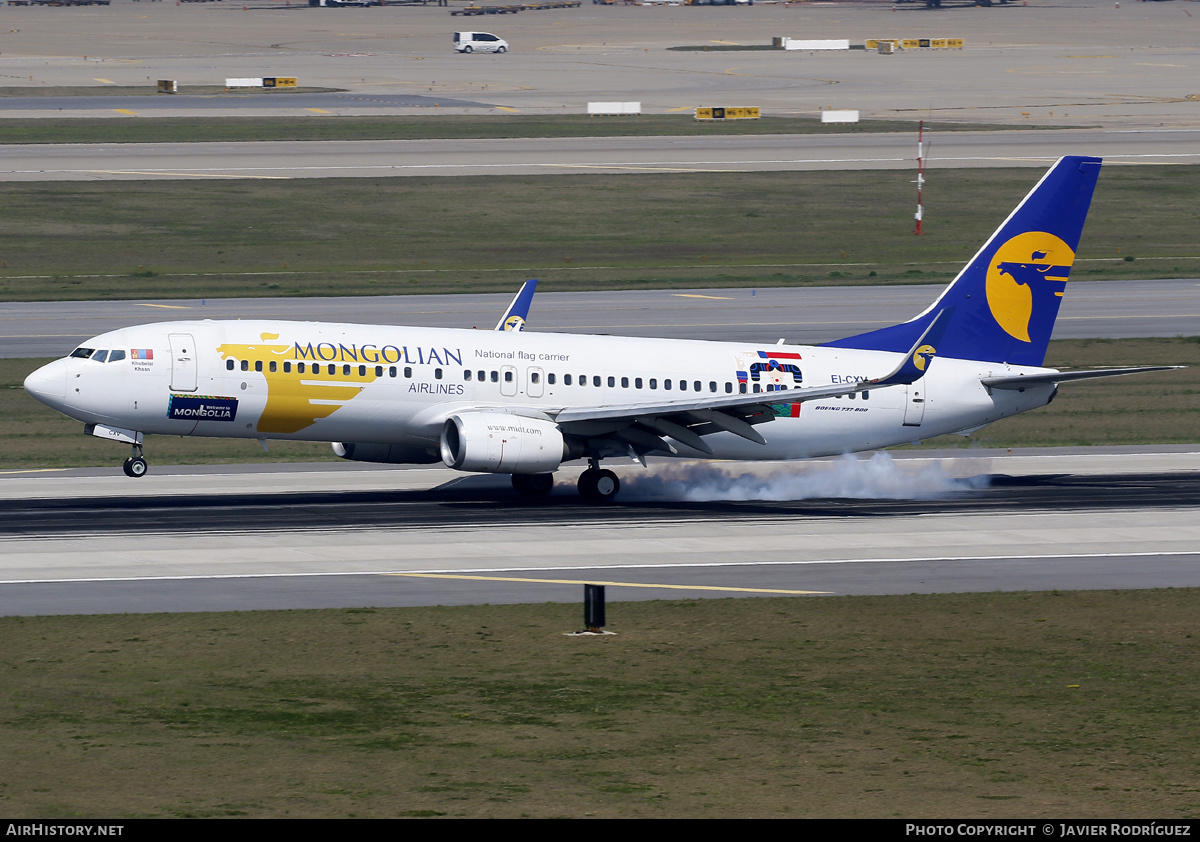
<point x="1006" y="299"/>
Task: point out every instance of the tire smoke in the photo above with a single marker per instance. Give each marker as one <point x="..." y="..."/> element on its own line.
<point x="876" y="478"/>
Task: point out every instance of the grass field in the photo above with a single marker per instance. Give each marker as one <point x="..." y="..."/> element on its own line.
<point x="216" y="238"/>
<point x="1160" y="408"/>
<point x="439" y="127"/>
<point x="1029" y="705"/>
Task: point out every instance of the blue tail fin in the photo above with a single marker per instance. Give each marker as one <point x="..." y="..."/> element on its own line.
<point x="1006" y="299"/>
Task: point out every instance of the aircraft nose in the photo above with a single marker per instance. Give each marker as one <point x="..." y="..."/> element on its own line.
<point x="49" y="384"/>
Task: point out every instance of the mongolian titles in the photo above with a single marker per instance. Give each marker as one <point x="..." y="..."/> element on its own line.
<point x="337" y="352"/>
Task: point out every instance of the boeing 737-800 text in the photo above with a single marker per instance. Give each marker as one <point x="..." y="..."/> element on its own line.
<point x="523" y="404"/>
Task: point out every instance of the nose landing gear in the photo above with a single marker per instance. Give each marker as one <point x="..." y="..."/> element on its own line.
<point x="135" y="466"/>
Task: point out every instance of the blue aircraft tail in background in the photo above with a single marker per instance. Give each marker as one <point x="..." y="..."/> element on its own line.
<point x="1006" y="299"/>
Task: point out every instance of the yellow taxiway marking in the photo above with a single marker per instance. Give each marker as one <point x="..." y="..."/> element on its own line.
<point x="125" y="111"/>
<point x="164" y="306"/>
<point x="506" y="108"/>
<point x="713" y="297"/>
<point x="33" y="471"/>
<point x="317" y="110"/>
<point x="187" y="174"/>
<point x="681" y="108"/>
<point x="105" y="81"/>
<point x="594" y="582"/>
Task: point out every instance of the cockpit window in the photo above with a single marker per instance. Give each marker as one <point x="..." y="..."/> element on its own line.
<point x="116" y="355"/>
<point x="83" y="353"/>
<point x="99" y="356"/>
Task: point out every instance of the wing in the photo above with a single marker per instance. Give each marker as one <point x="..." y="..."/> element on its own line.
<point x="518" y="311"/>
<point x="640" y="427"/>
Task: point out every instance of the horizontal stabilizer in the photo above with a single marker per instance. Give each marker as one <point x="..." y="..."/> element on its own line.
<point x="1024" y="381"/>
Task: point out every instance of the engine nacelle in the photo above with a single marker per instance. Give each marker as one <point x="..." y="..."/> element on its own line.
<point x="495" y="442"/>
<point x="395" y="454"/>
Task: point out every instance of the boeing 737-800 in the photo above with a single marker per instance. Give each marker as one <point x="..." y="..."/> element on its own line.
<point x="523" y="404"/>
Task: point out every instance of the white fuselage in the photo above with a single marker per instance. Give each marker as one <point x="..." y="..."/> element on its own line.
<point x="397" y="385"/>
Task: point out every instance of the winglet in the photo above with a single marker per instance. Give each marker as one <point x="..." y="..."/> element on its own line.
<point x="518" y="311"/>
<point x="917" y="361"/>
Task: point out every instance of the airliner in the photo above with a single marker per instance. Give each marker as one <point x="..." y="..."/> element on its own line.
<point x="523" y="404"/>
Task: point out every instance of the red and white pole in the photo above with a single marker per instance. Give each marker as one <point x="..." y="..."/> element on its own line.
<point x="920" y="172"/>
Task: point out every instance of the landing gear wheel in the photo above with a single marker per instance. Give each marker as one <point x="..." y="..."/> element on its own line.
<point x="598" y="486"/>
<point x="535" y="486"/>
<point x="135" y="466"/>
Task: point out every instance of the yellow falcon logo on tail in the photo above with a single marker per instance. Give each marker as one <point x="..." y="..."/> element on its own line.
<point x="1017" y="268"/>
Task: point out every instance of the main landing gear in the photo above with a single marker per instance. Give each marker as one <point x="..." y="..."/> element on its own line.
<point x="598" y="485"/>
<point x="135" y="466"/>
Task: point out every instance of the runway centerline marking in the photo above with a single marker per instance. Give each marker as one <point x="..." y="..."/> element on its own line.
<point x="614" y="584"/>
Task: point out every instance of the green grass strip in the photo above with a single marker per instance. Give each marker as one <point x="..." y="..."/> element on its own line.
<point x="1001" y="705"/>
<point x="225" y="237"/>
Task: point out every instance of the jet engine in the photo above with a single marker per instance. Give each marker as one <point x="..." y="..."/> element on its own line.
<point x="395" y="454"/>
<point x="495" y="442"/>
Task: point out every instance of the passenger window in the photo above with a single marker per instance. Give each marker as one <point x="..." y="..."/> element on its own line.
<point x="274" y="366"/>
<point x="379" y="371"/>
<point x="467" y="374"/>
<point x="612" y="381"/>
<point x="550" y="378"/>
<point x="362" y="371"/>
<point x="533" y="377"/>
<point x="495" y="377"/>
<point x="653" y="382"/>
<point x="287" y="368"/>
<point x="624" y="382"/>
<point x="391" y="371"/>
<point x="300" y="368"/>
<point x="696" y="386"/>
<point x="595" y="380"/>
<point x="742" y="388"/>
<point x="728" y="388"/>
<point x="245" y="365"/>
<point x="566" y="380"/>
<point x="408" y="371"/>
<point x="437" y="374"/>
<point x="637" y="382"/>
<point x="508" y="377"/>
<point x="866" y="395"/>
<point x="333" y="369"/>
<point x="667" y="385"/>
<point x="757" y="388"/>
<point x="683" y="385"/>
<point x="116" y="356"/>
<point x="258" y="365"/>
<point x="345" y="371"/>
<point x="229" y="365"/>
<point x="712" y="386"/>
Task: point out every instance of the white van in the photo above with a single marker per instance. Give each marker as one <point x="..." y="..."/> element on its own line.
<point x="479" y="42"/>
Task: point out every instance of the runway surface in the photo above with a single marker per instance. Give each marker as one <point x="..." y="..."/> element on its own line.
<point x="560" y="156"/>
<point x="1108" y="309"/>
<point x="234" y="539"/>
<point x="1071" y="62"/>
